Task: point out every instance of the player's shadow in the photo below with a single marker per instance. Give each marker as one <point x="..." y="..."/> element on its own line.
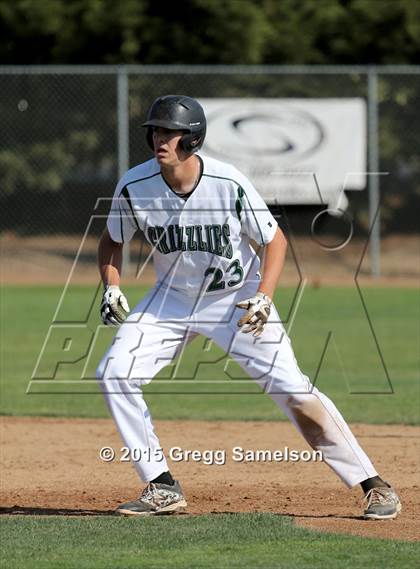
<point x="297" y="516"/>
<point x="325" y="516"/>
<point x="27" y="511"/>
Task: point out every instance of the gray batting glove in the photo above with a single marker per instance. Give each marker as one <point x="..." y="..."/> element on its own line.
<point x="114" y="306"/>
<point x="258" y="310"/>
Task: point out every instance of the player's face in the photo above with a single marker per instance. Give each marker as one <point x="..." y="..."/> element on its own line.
<point x="166" y="147"/>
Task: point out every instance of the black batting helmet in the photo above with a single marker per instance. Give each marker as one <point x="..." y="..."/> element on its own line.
<point x="178" y="112"/>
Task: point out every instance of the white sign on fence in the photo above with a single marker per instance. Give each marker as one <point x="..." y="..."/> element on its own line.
<point x="281" y="143"/>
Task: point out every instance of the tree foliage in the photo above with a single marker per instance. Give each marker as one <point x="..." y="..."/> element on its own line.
<point x="209" y="31"/>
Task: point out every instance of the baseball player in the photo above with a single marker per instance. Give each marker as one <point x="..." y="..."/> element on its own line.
<point x="199" y="216"/>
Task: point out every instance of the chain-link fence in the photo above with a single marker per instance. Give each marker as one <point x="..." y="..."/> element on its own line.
<point x="69" y="132"/>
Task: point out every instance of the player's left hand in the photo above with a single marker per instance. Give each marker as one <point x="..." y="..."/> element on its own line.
<point x="258" y="310"/>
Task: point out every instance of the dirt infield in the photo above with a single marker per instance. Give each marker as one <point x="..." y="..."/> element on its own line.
<point x="52" y="466"/>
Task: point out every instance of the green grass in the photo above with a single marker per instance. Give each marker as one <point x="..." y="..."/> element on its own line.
<point x="245" y="540"/>
<point x="351" y="373"/>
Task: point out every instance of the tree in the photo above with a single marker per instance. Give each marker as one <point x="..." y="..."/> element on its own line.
<point x="209" y="31"/>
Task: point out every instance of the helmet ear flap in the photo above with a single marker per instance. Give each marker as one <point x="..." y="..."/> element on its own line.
<point x="184" y="143"/>
<point x="190" y="143"/>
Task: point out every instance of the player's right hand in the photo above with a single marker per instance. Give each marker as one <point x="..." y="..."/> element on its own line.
<point x="114" y="306"/>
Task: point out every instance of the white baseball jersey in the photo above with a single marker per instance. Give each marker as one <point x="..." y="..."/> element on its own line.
<point x="202" y="244"/>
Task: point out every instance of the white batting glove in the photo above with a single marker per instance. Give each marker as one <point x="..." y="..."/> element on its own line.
<point x="114" y="306"/>
<point x="258" y="310"/>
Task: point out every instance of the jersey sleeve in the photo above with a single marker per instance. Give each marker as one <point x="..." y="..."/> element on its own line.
<point x="121" y="222"/>
<point x="256" y="219"/>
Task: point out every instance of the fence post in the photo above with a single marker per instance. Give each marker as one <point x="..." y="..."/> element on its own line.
<point x="374" y="189"/>
<point x="123" y="140"/>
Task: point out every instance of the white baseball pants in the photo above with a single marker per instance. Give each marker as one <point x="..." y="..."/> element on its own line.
<point x="155" y="333"/>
